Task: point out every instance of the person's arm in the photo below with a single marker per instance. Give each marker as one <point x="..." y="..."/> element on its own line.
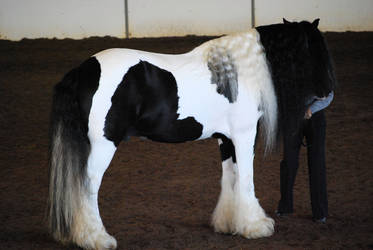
<point x="321" y="103"/>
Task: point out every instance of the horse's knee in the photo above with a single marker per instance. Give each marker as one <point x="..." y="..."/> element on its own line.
<point x="229" y="174"/>
<point x="102" y="151"/>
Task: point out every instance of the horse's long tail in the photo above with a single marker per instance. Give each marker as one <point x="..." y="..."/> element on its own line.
<point x="268" y="105"/>
<point x="69" y="150"/>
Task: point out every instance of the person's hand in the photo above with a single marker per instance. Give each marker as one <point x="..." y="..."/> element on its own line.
<point x="308" y="114"/>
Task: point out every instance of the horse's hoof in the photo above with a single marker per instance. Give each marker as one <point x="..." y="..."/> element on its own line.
<point x="106" y="242"/>
<point x="257" y="229"/>
<point x="97" y="241"/>
<point x="222" y="218"/>
<point x="222" y="225"/>
<point x="282" y="214"/>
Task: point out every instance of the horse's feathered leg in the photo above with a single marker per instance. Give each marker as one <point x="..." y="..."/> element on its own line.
<point x="222" y="217"/>
<point x="249" y="218"/>
<point x="89" y="231"/>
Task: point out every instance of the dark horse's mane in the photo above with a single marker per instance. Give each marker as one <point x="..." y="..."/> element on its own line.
<point x="300" y="65"/>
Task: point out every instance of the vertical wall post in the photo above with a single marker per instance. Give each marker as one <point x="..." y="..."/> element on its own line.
<point x="126" y="18"/>
<point x="253" y="13"/>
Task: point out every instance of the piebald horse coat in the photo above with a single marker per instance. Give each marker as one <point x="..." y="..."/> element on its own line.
<point x="220" y="89"/>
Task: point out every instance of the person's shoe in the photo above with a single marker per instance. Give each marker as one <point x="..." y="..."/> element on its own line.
<point x="281" y="214"/>
<point x="321" y="220"/>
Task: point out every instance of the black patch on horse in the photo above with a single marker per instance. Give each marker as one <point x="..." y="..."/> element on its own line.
<point x="227" y="149"/>
<point x="301" y="67"/>
<point x="145" y="103"/>
<point x="223" y="73"/>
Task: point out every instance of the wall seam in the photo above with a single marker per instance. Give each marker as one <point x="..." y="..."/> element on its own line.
<point x="126" y="19"/>
<point x="253" y="13"/>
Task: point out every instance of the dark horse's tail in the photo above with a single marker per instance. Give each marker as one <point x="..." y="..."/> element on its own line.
<point x="69" y="150"/>
<point x="301" y="67"/>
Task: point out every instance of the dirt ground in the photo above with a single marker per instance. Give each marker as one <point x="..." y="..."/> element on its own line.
<point x="161" y="196"/>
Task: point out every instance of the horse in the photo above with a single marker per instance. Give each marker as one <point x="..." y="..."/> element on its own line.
<point x="222" y="89"/>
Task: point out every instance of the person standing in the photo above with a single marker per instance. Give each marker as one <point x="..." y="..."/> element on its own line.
<point x="313" y="129"/>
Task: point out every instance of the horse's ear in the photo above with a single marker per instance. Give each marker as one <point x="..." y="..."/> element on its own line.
<point x="315" y="23"/>
<point x="285" y="21"/>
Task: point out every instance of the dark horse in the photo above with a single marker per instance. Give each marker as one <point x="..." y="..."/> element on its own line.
<point x="221" y="89"/>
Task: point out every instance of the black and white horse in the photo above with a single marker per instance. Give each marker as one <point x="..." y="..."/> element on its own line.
<point x="220" y="89"/>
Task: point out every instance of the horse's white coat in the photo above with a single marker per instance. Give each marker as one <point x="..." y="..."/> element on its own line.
<point x="238" y="211"/>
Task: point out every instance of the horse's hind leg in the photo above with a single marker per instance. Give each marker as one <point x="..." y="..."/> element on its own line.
<point x="249" y="218"/>
<point x="222" y="217"/>
<point x="89" y="231"/>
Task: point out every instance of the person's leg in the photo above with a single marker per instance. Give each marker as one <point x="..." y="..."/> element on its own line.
<point x="288" y="170"/>
<point x="315" y="136"/>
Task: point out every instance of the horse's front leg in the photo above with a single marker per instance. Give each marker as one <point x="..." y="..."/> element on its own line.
<point x="249" y="218"/>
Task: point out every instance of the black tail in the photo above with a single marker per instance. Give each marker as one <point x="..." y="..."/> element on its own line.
<point x="70" y="147"/>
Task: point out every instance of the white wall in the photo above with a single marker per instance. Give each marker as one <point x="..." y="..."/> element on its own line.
<point x="152" y="18"/>
<point x="335" y="15"/>
<point x="179" y="18"/>
<point x="61" y="18"/>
